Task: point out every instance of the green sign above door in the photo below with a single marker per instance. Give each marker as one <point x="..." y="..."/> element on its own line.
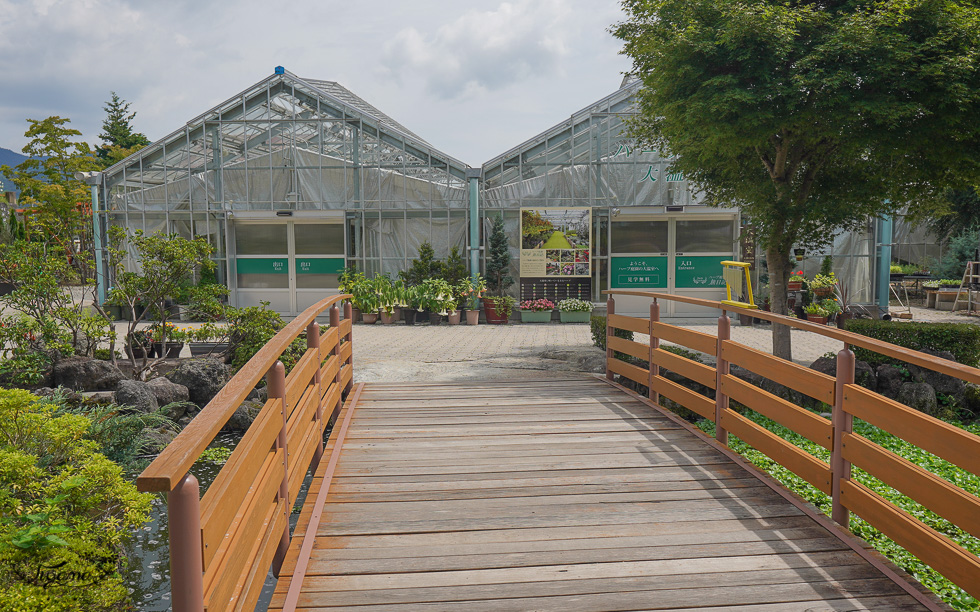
<point x="319" y="265"/>
<point x="638" y="272"/>
<point x="699" y="272"/>
<point x="261" y="265"/>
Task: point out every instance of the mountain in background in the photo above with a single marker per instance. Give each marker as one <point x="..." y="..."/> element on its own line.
<point x="11" y="158"/>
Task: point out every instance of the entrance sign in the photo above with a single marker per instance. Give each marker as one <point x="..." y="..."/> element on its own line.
<point x="702" y="272"/>
<point x="556" y="253"/>
<point x="638" y="272"/>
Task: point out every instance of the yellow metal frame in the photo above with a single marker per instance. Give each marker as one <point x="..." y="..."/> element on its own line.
<point x="732" y="266"/>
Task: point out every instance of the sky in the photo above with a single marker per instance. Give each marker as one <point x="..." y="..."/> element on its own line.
<point x="473" y="78"/>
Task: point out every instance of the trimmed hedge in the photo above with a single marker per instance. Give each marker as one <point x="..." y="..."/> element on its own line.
<point x="598" y="324"/>
<point x="960" y="339"/>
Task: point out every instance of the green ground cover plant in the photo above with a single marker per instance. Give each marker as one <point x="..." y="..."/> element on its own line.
<point x="949" y="592"/>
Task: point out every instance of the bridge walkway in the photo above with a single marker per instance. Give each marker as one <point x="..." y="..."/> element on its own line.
<point x="558" y="494"/>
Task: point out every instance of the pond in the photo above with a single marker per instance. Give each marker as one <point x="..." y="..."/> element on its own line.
<point x="148" y="577"/>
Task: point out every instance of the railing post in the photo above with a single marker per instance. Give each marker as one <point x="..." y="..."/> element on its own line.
<point x="313" y="342"/>
<point x="842" y="421"/>
<point x="654" y="345"/>
<point x="335" y="323"/>
<point x="276" y="382"/>
<point x="349" y="314"/>
<point x="610" y="311"/>
<point x="721" y="369"/>
<point x="186" y="552"/>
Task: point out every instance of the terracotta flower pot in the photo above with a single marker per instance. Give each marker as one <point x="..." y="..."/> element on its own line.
<point x="370" y="318"/>
<point x="387" y="319"/>
<point x="795" y="285"/>
<point x="454" y="317"/>
<point x="472" y="317"/>
<point x="815" y="319"/>
<point x="490" y="311"/>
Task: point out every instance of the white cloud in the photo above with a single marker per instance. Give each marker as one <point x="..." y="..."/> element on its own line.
<point x="472" y="78"/>
<point x="484" y="50"/>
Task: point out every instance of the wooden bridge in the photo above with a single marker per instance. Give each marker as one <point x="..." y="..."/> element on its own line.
<point x="558" y="494"/>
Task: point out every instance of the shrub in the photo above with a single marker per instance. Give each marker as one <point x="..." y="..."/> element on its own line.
<point x="960" y="339"/>
<point x="598" y="324"/>
<point x="66" y="510"/>
<point x="251" y="328"/>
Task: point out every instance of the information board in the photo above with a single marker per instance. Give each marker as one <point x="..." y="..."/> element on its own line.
<point x="638" y="272"/>
<point x="702" y="272"/>
<point x="319" y="265"/>
<point x="556" y="242"/>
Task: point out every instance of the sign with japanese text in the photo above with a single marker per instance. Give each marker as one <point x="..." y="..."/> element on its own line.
<point x="638" y="272"/>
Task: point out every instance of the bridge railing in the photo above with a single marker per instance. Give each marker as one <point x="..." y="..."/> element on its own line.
<point x="848" y="400"/>
<point x="222" y="545"/>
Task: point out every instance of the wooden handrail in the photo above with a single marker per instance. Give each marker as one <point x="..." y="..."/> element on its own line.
<point x="170" y="466"/>
<point x="930" y="362"/>
<point x="832" y="477"/>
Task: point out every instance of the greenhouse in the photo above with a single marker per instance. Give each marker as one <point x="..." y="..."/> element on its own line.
<point x="293" y="179"/>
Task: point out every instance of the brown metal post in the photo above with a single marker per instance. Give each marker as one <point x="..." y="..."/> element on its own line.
<point x="313" y="342"/>
<point x="335" y="323"/>
<point x="654" y="345"/>
<point x="186" y="552"/>
<point x="349" y="314"/>
<point x="842" y="421"/>
<point x="610" y="311"/>
<point x="276" y="382"/>
<point x="721" y="369"/>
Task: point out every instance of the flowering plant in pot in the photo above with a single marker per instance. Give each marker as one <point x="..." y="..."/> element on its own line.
<point x="823" y="284"/>
<point x="437" y="298"/>
<point x="388" y="298"/>
<point x="498" y="309"/>
<point x="208" y="339"/>
<point x="796" y="281"/>
<point x="365" y="299"/>
<point x="469" y="291"/>
<point x="168" y="339"/>
<point x="815" y="313"/>
<point x="536" y="311"/>
<point x="573" y="310"/>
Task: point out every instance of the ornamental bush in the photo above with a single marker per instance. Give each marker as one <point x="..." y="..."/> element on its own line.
<point x="66" y="510"/>
<point x="960" y="339"/>
<point x="598" y="324"/>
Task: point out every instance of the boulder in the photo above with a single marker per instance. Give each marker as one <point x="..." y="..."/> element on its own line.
<point x="243" y="416"/>
<point x="865" y="375"/>
<point x="167" y="391"/>
<point x="920" y="396"/>
<point x="259" y="394"/>
<point x="136" y="394"/>
<point x="86" y="374"/>
<point x="825" y="365"/>
<point x="202" y="377"/>
<point x="100" y="397"/>
<point x="890" y="380"/>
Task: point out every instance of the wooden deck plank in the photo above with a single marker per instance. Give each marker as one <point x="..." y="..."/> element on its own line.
<point x="559" y="495"/>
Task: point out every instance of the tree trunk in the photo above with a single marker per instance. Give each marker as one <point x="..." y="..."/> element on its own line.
<point x="779" y="269"/>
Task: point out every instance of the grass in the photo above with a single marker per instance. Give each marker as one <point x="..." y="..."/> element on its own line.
<point x="933" y="580"/>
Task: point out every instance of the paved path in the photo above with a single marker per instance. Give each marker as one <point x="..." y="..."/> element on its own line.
<point x="461" y="352"/>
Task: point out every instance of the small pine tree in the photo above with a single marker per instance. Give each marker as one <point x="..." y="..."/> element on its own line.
<point x="454" y="270"/>
<point x="424" y="267"/>
<point x="827" y="265"/>
<point x="498" y="259"/>
<point x="118" y="137"/>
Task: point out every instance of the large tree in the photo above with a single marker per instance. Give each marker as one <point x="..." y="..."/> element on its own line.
<point x="808" y="115"/>
<point x="118" y="138"/>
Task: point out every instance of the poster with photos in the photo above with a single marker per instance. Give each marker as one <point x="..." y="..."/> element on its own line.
<point x="556" y="242"/>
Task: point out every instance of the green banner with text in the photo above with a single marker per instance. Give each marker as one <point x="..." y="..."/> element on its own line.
<point x="699" y="272"/>
<point x="638" y="272"/>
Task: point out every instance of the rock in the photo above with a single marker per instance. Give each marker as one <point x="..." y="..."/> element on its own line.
<point x="970" y="399"/>
<point x="168" y="393"/>
<point x="202" y="377"/>
<point x="86" y="374"/>
<point x="825" y="365"/>
<point x="100" y="397"/>
<point x="920" y="396"/>
<point x="136" y="394"/>
<point x="890" y="380"/>
<point x="243" y="416"/>
<point x="865" y="376"/>
<point x="261" y="394"/>
<point x="160" y="438"/>
<point x="43" y="392"/>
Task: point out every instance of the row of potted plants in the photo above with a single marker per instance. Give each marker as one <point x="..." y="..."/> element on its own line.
<point x="570" y="310"/>
<point x="204" y="340"/>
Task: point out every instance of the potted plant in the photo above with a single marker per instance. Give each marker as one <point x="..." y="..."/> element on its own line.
<point x="832" y="307"/>
<point x="815" y="313"/>
<point x="795" y="281"/>
<point x="437" y="298"/>
<point x="536" y="311"/>
<point x="208" y="339"/>
<point x="413" y="301"/>
<point x="498" y="307"/>
<point x="949" y="284"/>
<point x="470" y="290"/>
<point x="365" y="299"/>
<point x="140" y="344"/>
<point x="168" y="340"/>
<point x="822" y="285"/>
<point x="841" y="294"/>
<point x="573" y="310"/>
